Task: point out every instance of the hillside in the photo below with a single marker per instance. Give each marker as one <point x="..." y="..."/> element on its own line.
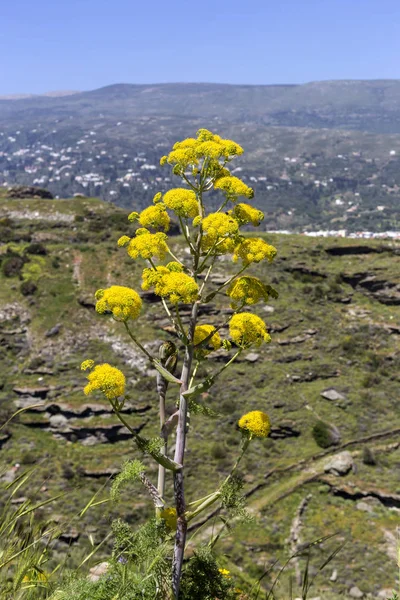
<point x="323" y="155"/>
<point x="334" y="357"/>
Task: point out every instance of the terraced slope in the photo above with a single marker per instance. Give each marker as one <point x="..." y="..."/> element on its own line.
<point x="334" y="357"/>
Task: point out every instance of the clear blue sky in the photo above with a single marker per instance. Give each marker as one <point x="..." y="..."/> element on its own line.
<point x="84" y="44"/>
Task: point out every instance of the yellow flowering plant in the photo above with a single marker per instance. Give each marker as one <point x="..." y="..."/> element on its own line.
<point x="183" y="283"/>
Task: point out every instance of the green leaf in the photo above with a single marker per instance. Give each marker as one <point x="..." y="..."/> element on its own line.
<point x="200" y="388"/>
<point x="166" y="374"/>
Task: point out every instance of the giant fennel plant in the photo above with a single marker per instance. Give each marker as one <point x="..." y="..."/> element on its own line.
<point x="202" y="164"/>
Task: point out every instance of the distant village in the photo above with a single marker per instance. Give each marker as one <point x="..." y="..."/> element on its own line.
<point x="351" y="191"/>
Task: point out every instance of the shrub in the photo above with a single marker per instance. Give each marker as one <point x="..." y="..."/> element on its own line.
<point x="12" y="266"/>
<point x="325" y="435"/>
<point x="368" y="457"/>
<point x="28" y="288"/>
<point x="36" y="248"/>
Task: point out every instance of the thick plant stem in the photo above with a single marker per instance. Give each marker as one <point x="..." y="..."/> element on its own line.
<point x="163" y="450"/>
<point x="181" y="528"/>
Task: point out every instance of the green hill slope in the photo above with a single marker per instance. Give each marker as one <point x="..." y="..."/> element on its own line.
<point x="334" y="357"/>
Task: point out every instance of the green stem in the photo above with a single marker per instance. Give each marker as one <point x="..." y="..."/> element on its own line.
<point x="143" y="349"/>
<point x="178" y="317"/>
<point x="194" y="374"/>
<point x="185" y="233"/>
<point x="175" y="257"/>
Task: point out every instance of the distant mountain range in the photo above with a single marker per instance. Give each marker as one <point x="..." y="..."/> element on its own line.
<point x="364" y="105"/>
<point x="319" y="155"/>
<point x="53" y="94"/>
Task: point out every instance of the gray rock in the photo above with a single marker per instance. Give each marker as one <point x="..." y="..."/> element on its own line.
<point x="252" y="357"/>
<point x="268" y="309"/>
<point x="340" y="464"/>
<point x="96" y="572"/>
<point x="332" y="394"/>
<point x="385" y="594"/>
<point x="364" y="506"/>
<point x="355" y="592"/>
<point x="58" y="421"/>
<point x="53" y="331"/>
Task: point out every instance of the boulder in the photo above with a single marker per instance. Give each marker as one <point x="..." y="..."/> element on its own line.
<point x="355" y="592"/>
<point x="340" y="464"/>
<point x="332" y="394"/>
<point x="28" y="191"/>
<point x="96" y="572"/>
<point x="385" y="594"/>
<point x="252" y="357"/>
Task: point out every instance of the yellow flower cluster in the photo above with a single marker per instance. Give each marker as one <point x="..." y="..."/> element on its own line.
<point x="170" y="282"/>
<point x="233" y="187"/>
<point x="219" y="230"/>
<point x="254" y="250"/>
<point x="183" y="202"/>
<point x="203" y="331"/>
<point x="247" y="290"/>
<point x="246" y="329"/>
<point x="145" y="244"/>
<point x="155" y="216"/>
<point x="224" y="573"/>
<point x="245" y="213"/>
<point x="170" y="517"/>
<point x="207" y="145"/>
<point x="123" y="302"/>
<point x="255" y="423"/>
<point x="107" y="379"/>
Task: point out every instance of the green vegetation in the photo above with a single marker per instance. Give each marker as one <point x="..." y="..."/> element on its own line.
<point x="334" y="325"/>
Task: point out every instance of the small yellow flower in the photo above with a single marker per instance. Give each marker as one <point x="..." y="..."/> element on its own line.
<point x="249" y="290"/>
<point x="246" y="329"/>
<point x="123" y="302"/>
<point x="133" y="216"/>
<point x="87" y="364"/>
<point x="157" y="197"/>
<point x="219" y="231"/>
<point x="123" y="241"/>
<point x="245" y="213"/>
<point x="155" y="216"/>
<point x="233" y="187"/>
<point x="255" y="423"/>
<point x="225" y="573"/>
<point x="107" y="379"/>
<point x="163" y="160"/>
<point x="183" y="202"/>
<point x="170" y="518"/>
<point x="254" y="250"/>
<point x="148" y="245"/>
<point x="203" y="331"/>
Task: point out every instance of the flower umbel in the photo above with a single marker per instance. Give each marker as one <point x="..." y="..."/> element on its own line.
<point x="254" y="250"/>
<point x="170" y="282"/>
<point x="170" y="518"/>
<point x="182" y="202"/>
<point x="245" y="213"/>
<point x="219" y="231"/>
<point x="155" y="216"/>
<point x="203" y="331"/>
<point x="249" y="290"/>
<point x="255" y="423"/>
<point x="148" y="245"/>
<point x="233" y="187"/>
<point x="246" y="329"/>
<point x="123" y="302"/>
<point x="107" y="379"/>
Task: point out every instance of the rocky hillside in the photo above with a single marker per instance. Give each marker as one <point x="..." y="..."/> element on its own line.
<point x="329" y="380"/>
